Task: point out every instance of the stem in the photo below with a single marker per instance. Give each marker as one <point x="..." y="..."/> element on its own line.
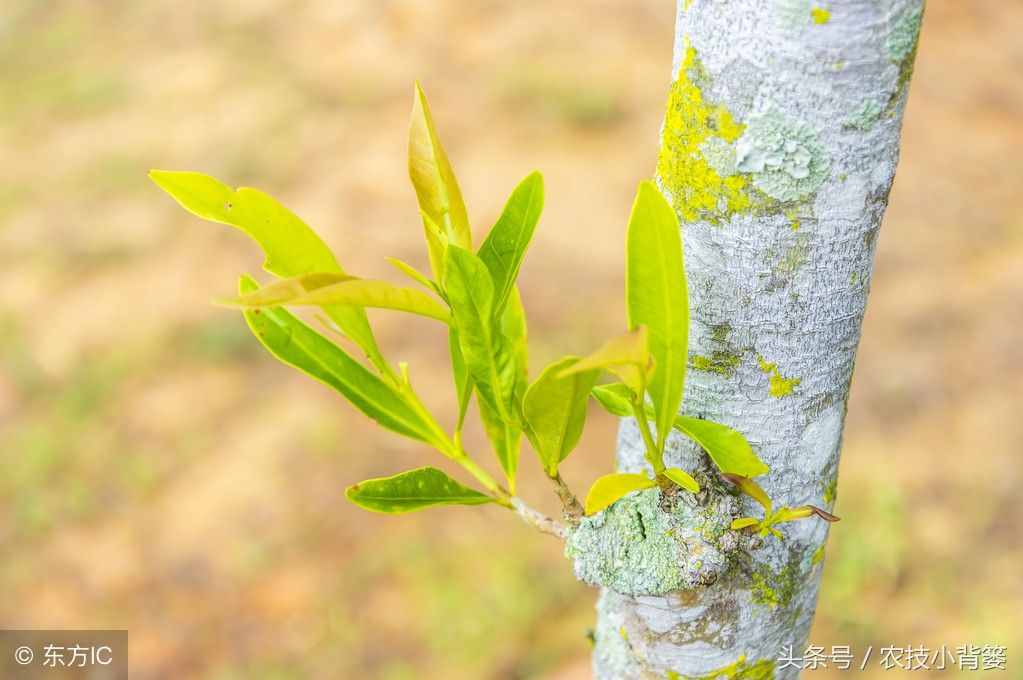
<point x="539" y="520"/>
<point x="652" y="454"/>
<point x="571" y="506"/>
<point x="505" y="499"/>
<point x="501" y="495"/>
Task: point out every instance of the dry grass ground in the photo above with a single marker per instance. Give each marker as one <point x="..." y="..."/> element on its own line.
<point x="159" y="472"/>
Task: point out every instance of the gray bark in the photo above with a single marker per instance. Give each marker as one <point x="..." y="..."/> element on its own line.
<point x="778" y="151"/>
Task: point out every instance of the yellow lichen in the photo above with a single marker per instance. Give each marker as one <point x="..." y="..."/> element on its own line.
<point x="740" y="670"/>
<point x="794" y="221"/>
<point x="701" y="187"/>
<point x="720" y="362"/>
<point x="820" y="15"/>
<point x="775" y="589"/>
<point x="780" y="386"/>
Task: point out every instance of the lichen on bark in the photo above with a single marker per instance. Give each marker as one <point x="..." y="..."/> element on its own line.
<point x="650" y="543"/>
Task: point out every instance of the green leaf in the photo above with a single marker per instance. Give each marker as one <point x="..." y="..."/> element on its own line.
<point x="436" y="246"/>
<point x="316" y="290"/>
<point x="506" y="435"/>
<point x="283" y="291"/>
<point x="554" y="408"/>
<point x="471" y="296"/>
<point x="682" y="479"/>
<point x="413" y="490"/>
<point x="515" y="341"/>
<point x="658" y="299"/>
<point x="440" y="199"/>
<point x="506" y="244"/>
<point x="751" y="489"/>
<point x="460" y="372"/>
<point x="729" y="450"/>
<point x="506" y="439"/>
<point x="616" y="398"/>
<point x="609" y="488"/>
<point x="413" y="273"/>
<point x="297" y="345"/>
<point x="291" y="248"/>
<point x="743" y="522"/>
<point x="626" y="356"/>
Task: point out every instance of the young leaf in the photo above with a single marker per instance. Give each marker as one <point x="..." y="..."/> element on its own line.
<point x="354" y="292"/>
<point x="729" y="450"/>
<point x="802" y="512"/>
<point x="412" y="490"/>
<point x="436" y="245"/>
<point x="751" y="489"/>
<point x="609" y="488"/>
<point x="506" y="244"/>
<point x="440" y="199"/>
<point x="471" y="296"/>
<point x="682" y="479"/>
<point x="297" y="345"/>
<point x="460" y="373"/>
<point x="658" y="299"/>
<point x="413" y="273"/>
<point x="291" y="248"/>
<point x="743" y="522"/>
<point x="514" y="339"/>
<point x="283" y="291"/>
<point x="506" y="435"/>
<point x="626" y="356"/>
<point x="616" y="398"/>
<point x="554" y="408"/>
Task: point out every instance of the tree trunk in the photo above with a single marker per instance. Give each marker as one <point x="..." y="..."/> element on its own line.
<point x="778" y="151"/>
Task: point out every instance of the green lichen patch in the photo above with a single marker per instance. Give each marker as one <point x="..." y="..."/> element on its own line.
<point x="820" y="15"/>
<point x="866" y="116"/>
<point x="647" y="544"/>
<point x="795" y="221"/>
<point x="902" y="44"/>
<point x="831" y="491"/>
<point x="784" y="156"/>
<point x="779" y="386"/>
<point x="776" y="589"/>
<point x="905" y="34"/>
<point x="794" y="258"/>
<point x="697" y="159"/>
<point x="818" y="555"/>
<point x="724" y="360"/>
<point x="721" y="331"/>
<point x="720" y="361"/>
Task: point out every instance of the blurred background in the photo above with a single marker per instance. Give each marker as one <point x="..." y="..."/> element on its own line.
<point x="160" y="472"/>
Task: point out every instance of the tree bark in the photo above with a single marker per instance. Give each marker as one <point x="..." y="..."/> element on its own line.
<point x="778" y="151"/>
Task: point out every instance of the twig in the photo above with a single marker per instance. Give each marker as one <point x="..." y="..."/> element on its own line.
<point x="572" y="508"/>
<point x="538" y="519"/>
